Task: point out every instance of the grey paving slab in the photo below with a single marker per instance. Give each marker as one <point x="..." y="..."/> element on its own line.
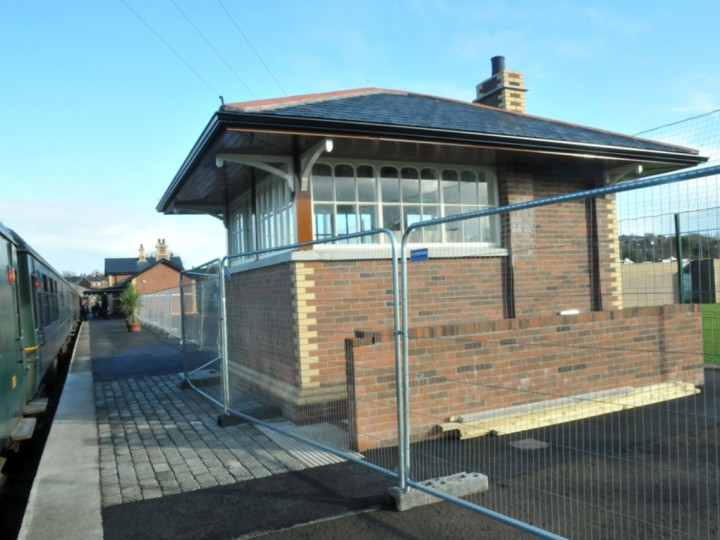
<point x="135" y="435"/>
<point x="65" y="498"/>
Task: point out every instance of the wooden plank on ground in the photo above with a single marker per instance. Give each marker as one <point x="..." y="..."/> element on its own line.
<point x="548" y="413"/>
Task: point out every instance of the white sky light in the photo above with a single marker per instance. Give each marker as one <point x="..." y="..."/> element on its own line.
<point x="98" y="113"/>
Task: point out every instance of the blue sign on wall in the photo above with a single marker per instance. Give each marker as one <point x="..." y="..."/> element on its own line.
<point x="419" y="254"/>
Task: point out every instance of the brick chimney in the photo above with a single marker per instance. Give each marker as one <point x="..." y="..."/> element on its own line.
<point x="504" y="89"/>
<point x="161" y="250"/>
<point x="141" y="257"/>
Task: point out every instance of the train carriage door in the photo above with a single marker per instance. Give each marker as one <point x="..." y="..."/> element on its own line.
<point x="27" y="309"/>
<point x="11" y="358"/>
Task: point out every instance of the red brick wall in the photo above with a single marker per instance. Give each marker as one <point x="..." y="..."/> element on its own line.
<point x="472" y="367"/>
<point x="358" y="294"/>
<point x="562" y="255"/>
<point x="157" y="278"/>
<point x="261" y="332"/>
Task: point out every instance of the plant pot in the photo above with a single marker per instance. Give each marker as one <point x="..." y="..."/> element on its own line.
<point x="133" y="327"/>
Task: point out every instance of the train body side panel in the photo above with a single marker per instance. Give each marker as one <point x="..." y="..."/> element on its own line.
<point x="11" y="365"/>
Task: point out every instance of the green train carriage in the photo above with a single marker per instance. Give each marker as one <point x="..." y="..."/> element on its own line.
<point x="39" y="310"/>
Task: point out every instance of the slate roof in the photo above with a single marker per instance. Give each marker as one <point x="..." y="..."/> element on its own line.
<point x="398" y="108"/>
<point x="133" y="265"/>
<point x="273" y="127"/>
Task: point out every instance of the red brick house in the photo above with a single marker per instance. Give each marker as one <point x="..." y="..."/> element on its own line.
<point x="118" y="269"/>
<point x="149" y="273"/>
<point x="305" y="168"/>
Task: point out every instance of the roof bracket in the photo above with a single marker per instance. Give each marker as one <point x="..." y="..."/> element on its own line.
<point x="615" y="175"/>
<point x="261" y="162"/>
<point x="308" y="159"/>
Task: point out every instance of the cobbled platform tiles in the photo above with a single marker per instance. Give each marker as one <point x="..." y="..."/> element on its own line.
<point x="157" y="439"/>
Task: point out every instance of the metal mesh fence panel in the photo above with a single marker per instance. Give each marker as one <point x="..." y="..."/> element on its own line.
<point x="559" y="406"/>
<point x="292" y="317"/>
<point x="161" y="310"/>
<point x="670" y="235"/>
<point x="555" y="354"/>
<point x="201" y="297"/>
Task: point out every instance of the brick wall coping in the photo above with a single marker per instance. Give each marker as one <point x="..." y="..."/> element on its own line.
<point x="477" y="327"/>
<point x="355" y="252"/>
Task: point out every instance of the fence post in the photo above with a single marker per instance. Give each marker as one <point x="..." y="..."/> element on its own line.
<point x="678" y="241"/>
<point x="223" y="337"/>
<point x="182" y="325"/>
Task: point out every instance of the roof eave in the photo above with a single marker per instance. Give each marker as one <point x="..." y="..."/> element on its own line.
<point x="211" y="131"/>
<point x="323" y="127"/>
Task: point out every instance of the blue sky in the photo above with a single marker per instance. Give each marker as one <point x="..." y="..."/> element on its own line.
<point x="102" y="100"/>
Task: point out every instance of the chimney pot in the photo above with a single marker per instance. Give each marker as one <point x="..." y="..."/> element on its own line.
<point x="498" y="64"/>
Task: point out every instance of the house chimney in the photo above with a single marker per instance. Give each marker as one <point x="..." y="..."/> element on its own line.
<point x="141" y="258"/>
<point x="504" y="89"/>
<point x="498" y="64"/>
<point x="161" y="250"/>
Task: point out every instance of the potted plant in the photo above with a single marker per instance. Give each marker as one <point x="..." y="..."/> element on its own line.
<point x="130" y="301"/>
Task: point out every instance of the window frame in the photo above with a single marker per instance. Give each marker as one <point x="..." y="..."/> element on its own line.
<point x="436" y="207"/>
<point x="263" y="217"/>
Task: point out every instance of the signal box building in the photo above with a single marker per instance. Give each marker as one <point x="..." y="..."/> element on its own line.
<point x="304" y="168"/>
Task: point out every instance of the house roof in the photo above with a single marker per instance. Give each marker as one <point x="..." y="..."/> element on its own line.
<point x="133" y="265"/>
<point x="289" y="126"/>
<point x="374" y="106"/>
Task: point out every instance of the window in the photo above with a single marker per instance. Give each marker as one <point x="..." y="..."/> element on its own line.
<point x="242" y="227"/>
<point x="346" y="201"/>
<point x="270" y="224"/>
<point x="351" y="198"/>
<point x="275" y="213"/>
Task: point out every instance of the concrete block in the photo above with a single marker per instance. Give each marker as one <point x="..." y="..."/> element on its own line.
<point x="458" y="485"/>
<point x="258" y="413"/>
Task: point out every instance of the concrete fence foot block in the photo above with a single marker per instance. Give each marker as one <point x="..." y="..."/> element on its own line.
<point x="258" y="413"/>
<point x="458" y="485"/>
<point x="204" y="377"/>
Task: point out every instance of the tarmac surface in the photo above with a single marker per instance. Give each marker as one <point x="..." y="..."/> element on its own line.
<point x="131" y="454"/>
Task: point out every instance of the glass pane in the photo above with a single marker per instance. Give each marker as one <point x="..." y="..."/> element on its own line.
<point x="453" y="230"/>
<point x="432" y="232"/>
<point x="413" y="214"/>
<point x="450" y="187"/>
<point x="368" y="218"/>
<point x="346" y="219"/>
<point x="391" y="218"/>
<point x="429" y="186"/>
<point x="364" y="171"/>
<point x="389" y="185"/>
<point x="323" y="221"/>
<point x="468" y="188"/>
<point x="484" y="197"/>
<point x="410" y="185"/>
<point x="344" y="170"/>
<point x="368" y="221"/>
<point x="344" y="183"/>
<point x="485" y="229"/>
<point x="366" y="188"/>
<point x="322" y="188"/>
<point x="472" y="230"/>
